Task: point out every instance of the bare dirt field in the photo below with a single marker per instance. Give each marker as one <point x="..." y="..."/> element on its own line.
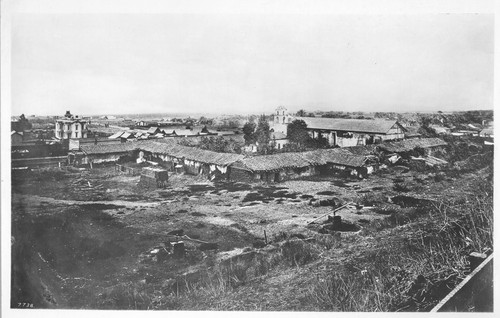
<point x="100" y="239"/>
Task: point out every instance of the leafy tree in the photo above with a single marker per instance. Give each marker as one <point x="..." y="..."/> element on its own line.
<point x="262" y="134"/>
<point x="24" y="123"/>
<point x="320" y="142"/>
<point x="301" y="113"/>
<point x="233" y="124"/>
<point x="218" y="144"/>
<point x="297" y="132"/>
<point x="249" y="132"/>
<point x="425" y="129"/>
<point x="205" y="121"/>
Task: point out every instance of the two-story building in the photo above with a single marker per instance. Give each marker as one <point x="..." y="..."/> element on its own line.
<point x="71" y="127"/>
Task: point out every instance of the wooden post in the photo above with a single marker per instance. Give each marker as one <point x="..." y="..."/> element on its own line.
<point x="265" y="237"/>
<point x="334" y="211"/>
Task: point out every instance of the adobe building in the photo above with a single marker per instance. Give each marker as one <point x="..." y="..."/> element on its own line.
<point x="343" y="132"/>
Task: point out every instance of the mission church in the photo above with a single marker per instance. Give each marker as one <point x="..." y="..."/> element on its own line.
<point x="339" y="132"/>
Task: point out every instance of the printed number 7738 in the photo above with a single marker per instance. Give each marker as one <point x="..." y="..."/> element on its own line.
<point x="25" y="305"/>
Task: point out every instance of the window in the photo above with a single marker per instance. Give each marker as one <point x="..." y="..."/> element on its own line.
<point x="344" y="134"/>
<point x="76" y="134"/>
<point x="283" y="120"/>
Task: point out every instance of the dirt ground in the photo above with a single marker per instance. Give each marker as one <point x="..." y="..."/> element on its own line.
<point x="80" y="232"/>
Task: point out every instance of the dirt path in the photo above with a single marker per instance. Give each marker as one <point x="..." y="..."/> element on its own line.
<point x="35" y="200"/>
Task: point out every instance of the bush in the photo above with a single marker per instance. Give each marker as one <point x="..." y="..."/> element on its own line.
<point x="298" y="252"/>
<point x="371" y="199"/>
<point x="401" y="187"/>
<point x="364" y="290"/>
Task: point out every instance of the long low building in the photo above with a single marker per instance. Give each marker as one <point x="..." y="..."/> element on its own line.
<point x="342" y="132"/>
<point x="353" y="132"/>
<point x="101" y="153"/>
<point x="190" y="159"/>
<point x="358" y="161"/>
<point x="427" y="144"/>
<point x="286" y="166"/>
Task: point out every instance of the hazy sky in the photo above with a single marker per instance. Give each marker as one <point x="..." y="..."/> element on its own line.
<point x="250" y="63"/>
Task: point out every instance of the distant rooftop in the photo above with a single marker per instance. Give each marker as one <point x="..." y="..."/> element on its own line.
<point x="376" y="126"/>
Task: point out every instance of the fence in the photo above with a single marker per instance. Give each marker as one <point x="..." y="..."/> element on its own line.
<point x="127" y="170"/>
<point x="474" y="293"/>
<point x="43" y="162"/>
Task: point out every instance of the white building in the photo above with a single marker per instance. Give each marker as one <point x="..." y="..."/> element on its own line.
<point x="342" y="132"/>
<point x="281" y="119"/>
<point x="71" y="127"/>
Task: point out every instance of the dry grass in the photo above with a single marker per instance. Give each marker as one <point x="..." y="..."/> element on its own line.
<point x="424" y="260"/>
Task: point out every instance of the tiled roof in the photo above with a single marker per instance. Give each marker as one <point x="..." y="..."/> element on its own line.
<point x="191" y="153"/>
<point x="91" y="149"/>
<point x="185" y="132"/>
<point x="410" y="144"/>
<point x="301" y="159"/>
<point x="152" y="130"/>
<point x="487" y="131"/>
<point x="126" y="135"/>
<point x="361" y="150"/>
<point x="116" y="135"/>
<point x="355" y="125"/>
<point x="277" y="135"/>
<point x="275" y="162"/>
<point x="337" y="156"/>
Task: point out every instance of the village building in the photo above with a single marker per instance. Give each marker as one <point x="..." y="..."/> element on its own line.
<point x="154" y="176"/>
<point x="292" y="165"/>
<point x="16" y="138"/>
<point x="353" y="132"/>
<point x="278" y="140"/>
<point x="154" y="130"/>
<point x="427" y="145"/>
<point x="412" y="132"/>
<point x="146" y="123"/>
<point x="188" y="132"/>
<point x="190" y="160"/>
<point x="358" y="161"/>
<point x="342" y="132"/>
<point x="74" y="144"/>
<point x="465" y="132"/>
<point x="281" y="119"/>
<point x="90" y="154"/>
<point x="70" y="127"/>
<point x="486" y="133"/>
<point x="422" y="150"/>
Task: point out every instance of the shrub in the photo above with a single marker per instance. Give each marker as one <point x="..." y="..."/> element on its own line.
<point x="401" y="187"/>
<point x="364" y="290"/>
<point x="371" y="199"/>
<point x="298" y="252"/>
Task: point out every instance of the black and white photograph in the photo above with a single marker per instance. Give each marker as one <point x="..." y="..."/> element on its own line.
<point x="266" y="157"/>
